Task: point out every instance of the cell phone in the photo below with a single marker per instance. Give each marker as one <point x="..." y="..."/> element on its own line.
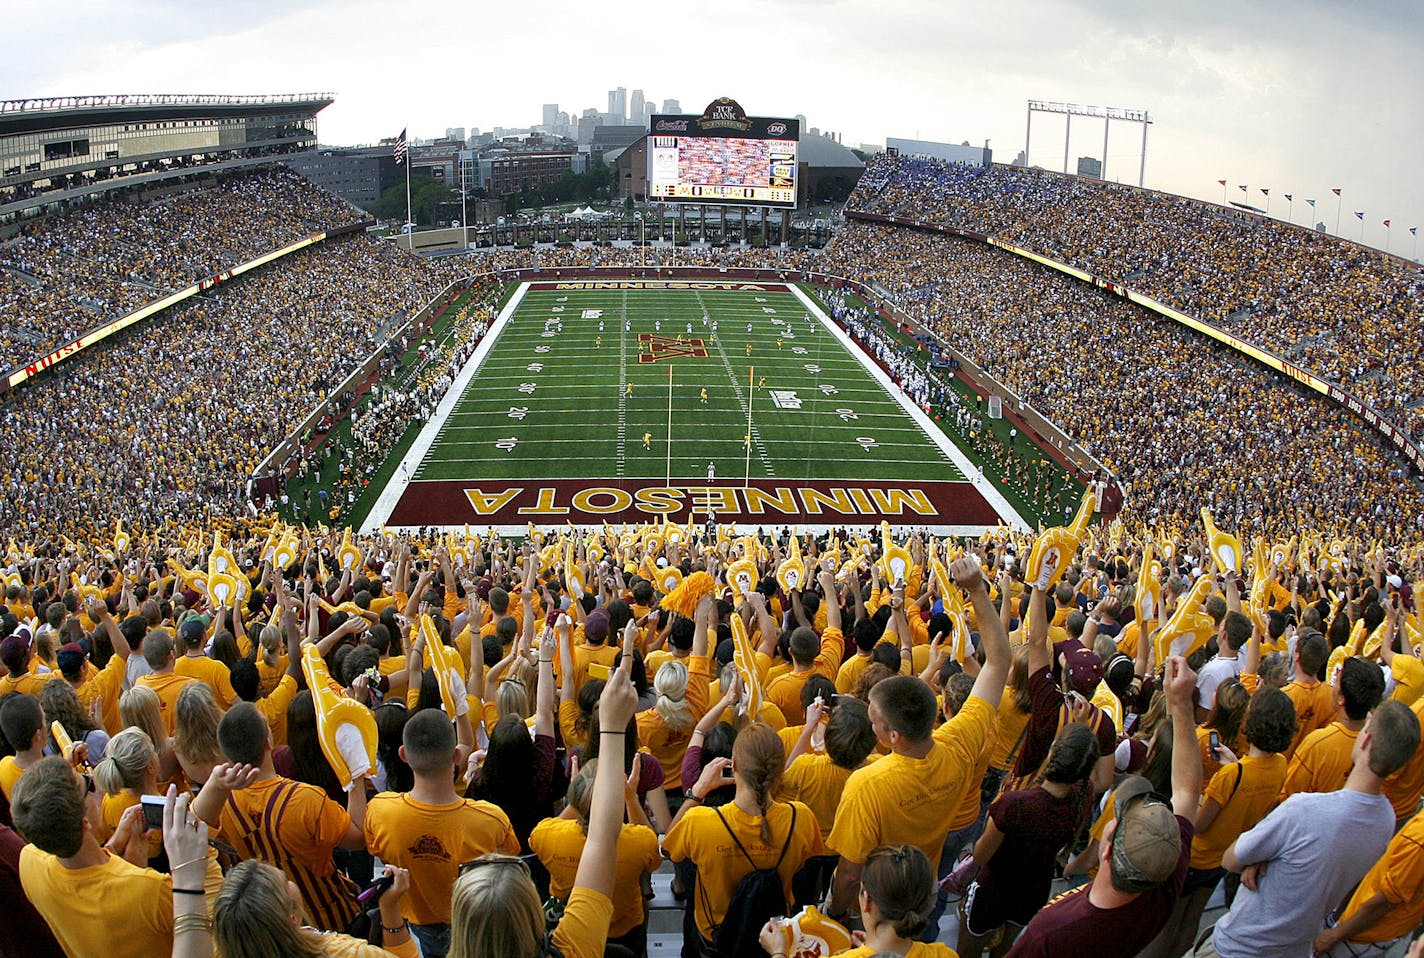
<point x="153" y="810"/>
<point x="376" y="889"/>
<point x="1077" y="698"/>
<point x="1214" y="744"/>
<point x="727" y="775"/>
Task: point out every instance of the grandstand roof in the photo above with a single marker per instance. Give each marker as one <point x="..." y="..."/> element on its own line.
<point x="64" y="112"/>
<point x="822" y="151"/>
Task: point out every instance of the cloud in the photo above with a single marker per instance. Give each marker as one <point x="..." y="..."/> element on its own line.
<point x="1298" y="97"/>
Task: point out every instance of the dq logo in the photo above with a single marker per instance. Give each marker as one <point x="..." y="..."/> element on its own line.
<point x="776" y="129"/>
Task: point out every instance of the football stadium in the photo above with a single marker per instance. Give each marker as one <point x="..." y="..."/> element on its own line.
<point x="674" y="532"/>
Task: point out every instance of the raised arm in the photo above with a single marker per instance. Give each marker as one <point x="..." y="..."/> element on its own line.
<point x="1039" y="656"/>
<point x="544" y="707"/>
<point x="605" y="820"/>
<point x="99" y="612"/>
<point x="1180" y="682"/>
<point x="989" y="685"/>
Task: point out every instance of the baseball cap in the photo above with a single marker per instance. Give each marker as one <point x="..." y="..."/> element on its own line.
<point x="1147" y="845"/>
<point x="191" y="631"/>
<point x="15" y="653"/>
<point x="70" y="658"/>
<point x="1085" y="670"/>
<point x="595" y="626"/>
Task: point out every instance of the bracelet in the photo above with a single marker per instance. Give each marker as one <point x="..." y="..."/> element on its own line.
<point x="689" y="797"/>
<point x="192" y="921"/>
<point x="608" y="731"/>
<point x="196" y="861"/>
<point x="189" y="891"/>
<point x="544" y="661"/>
<point x="392" y="931"/>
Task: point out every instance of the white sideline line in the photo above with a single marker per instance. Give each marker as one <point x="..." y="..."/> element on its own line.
<point x="971" y="473"/>
<point x="381" y="512"/>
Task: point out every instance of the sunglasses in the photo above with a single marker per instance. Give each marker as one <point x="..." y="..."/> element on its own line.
<point x="495" y="860"/>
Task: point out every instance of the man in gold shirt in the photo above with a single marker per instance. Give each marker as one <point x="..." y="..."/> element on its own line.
<point x="912" y="795"/>
<point x="158" y="653"/>
<point x="95" y="900"/>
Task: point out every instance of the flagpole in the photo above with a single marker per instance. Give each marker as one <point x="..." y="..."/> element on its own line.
<point x="669" y="429"/>
<point x="1337" y="212"/>
<point x="747" y="477"/>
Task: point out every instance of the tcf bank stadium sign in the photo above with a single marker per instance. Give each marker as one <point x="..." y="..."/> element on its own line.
<point x="452" y="502"/>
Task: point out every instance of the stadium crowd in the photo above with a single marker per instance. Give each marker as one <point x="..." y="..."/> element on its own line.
<point x="207" y="390"/>
<point x="61" y="276"/>
<point x="899" y="732"/>
<point x="1254" y="447"/>
<point x="1331" y="307"/>
<point x="518" y="754"/>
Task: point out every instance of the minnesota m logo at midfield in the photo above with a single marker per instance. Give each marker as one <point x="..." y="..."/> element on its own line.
<point x="652" y="348"/>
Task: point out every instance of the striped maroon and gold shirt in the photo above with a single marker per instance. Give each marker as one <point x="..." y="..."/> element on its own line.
<point x="295" y="827"/>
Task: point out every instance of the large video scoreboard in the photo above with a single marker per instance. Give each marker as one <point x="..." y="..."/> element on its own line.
<point x="723" y="156"/>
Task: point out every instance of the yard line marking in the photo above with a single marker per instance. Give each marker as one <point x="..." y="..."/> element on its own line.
<point x="766" y="463"/>
<point x="622" y="387"/>
<point x="414" y="459"/>
<point x="985" y="488"/>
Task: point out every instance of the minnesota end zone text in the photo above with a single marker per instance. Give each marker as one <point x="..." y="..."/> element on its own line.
<point x="447" y="502"/>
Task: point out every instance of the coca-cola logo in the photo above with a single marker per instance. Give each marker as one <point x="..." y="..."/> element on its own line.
<point x="776" y="129"/>
<point x="671" y="126"/>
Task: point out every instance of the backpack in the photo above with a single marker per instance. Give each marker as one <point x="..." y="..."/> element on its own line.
<point x="758" y="897"/>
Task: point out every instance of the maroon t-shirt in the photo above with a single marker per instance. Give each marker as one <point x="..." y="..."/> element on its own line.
<point x="1047" y="714"/>
<point x="1071" y="925"/>
<point x="1036" y="825"/>
<point x="23" y="933"/>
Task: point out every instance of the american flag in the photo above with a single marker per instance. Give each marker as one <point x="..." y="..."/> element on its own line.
<point x="399" y="148"/>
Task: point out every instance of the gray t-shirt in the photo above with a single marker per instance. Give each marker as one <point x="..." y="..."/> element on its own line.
<point x="1316" y="846"/>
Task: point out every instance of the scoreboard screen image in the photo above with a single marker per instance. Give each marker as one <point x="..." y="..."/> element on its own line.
<point x="707" y="169"/>
<point x="723" y="157"/>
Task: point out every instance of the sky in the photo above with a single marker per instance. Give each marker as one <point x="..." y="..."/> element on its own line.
<point x="1297" y="97"/>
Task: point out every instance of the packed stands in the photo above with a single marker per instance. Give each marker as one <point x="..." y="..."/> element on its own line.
<point x="192" y="400"/>
<point x="1182" y="421"/>
<point x="62" y="276"/>
<point x="1329" y="306"/>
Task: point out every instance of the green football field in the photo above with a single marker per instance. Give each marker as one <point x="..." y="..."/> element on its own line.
<point x="571" y="388"/>
<point x="816" y="412"/>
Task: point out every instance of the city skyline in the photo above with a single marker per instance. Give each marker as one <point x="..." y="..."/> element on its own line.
<point x="1299" y="101"/>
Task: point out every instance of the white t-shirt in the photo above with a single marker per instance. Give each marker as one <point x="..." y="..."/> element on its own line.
<point x="1212" y="674"/>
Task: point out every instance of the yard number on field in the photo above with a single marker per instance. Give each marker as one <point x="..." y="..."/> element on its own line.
<point x="507" y="444"/>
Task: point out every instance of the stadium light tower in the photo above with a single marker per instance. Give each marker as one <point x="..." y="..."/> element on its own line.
<point x="1105" y="113"/>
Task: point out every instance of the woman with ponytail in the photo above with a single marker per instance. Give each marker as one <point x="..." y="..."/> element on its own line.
<point x="271" y="659"/>
<point x="1022" y="836"/>
<point x="129" y="770"/>
<point x="897" y="896"/>
<point x="750" y="832"/>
